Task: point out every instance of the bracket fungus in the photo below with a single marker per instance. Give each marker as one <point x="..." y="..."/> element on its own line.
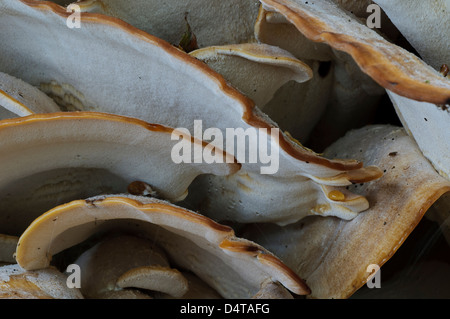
<point x="48" y="159"/>
<point x="275" y="29"/>
<point x="18" y="98"/>
<point x="234" y="267"/>
<point x="427" y="33"/>
<point x="333" y="255"/>
<point x="429" y="125"/>
<point x="91" y="115"/>
<point x="340" y="98"/>
<point x="214" y="22"/>
<point x="191" y="90"/>
<point x="257" y="69"/>
<point x="130" y="264"/>
<point x="49" y="283"/>
<point x="391" y="66"/>
<point x="324" y="40"/>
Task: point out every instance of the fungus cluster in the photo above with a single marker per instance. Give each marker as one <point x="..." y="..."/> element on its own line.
<point x="90" y="117"/>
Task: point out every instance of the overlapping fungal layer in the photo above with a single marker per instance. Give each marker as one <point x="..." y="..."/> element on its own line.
<point x="258" y="70"/>
<point x="392" y="67"/>
<point x="214" y="22"/>
<point x="234" y="267"/>
<point x="335" y="46"/>
<point x="424" y="24"/>
<point x="49" y="159"/>
<point x="334" y="256"/>
<point x="18" y="98"/>
<point x="162" y="84"/>
<point x="128" y="264"/>
<point x="296" y="102"/>
<point x="48" y="283"/>
<point x="429" y="125"/>
<point x="413" y="85"/>
<point x="345" y="96"/>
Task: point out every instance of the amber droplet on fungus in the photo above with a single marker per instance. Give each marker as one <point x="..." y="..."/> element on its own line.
<point x="336" y="195"/>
